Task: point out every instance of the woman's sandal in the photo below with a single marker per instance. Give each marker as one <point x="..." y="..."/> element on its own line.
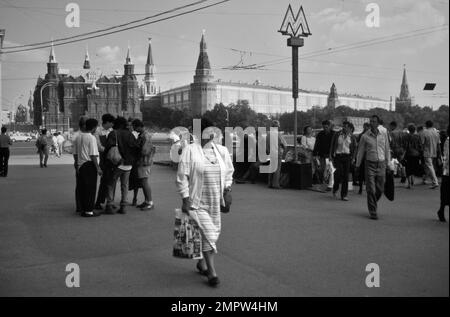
<point x="213" y="281"/>
<point x="201" y="270"/>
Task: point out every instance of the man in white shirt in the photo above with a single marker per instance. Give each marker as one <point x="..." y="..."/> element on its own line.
<point x="60" y="141"/>
<point x="86" y="163"/>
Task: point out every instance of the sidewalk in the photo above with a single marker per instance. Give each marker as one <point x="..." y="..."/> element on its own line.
<point x="65" y="159"/>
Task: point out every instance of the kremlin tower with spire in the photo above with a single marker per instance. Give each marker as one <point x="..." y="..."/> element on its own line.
<point x="405" y="99"/>
<point x="203" y="90"/>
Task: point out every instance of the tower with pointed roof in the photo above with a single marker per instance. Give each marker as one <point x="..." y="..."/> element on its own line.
<point x="87" y="63"/>
<point x="149" y="78"/>
<point x="130" y="90"/>
<point x="333" y="97"/>
<point x="203" y="91"/>
<point x="404" y="99"/>
<point x="52" y="66"/>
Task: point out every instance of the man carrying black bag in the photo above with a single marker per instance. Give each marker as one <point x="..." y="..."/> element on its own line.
<point x="374" y="148"/>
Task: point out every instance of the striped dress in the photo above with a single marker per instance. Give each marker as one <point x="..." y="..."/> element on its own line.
<point x="209" y="209"/>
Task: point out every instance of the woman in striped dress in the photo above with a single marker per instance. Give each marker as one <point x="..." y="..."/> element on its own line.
<point x="204" y="172"/>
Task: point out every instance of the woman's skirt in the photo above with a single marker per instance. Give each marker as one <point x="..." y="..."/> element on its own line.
<point x="413" y="166"/>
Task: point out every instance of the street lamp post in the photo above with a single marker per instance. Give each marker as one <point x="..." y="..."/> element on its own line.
<point x="44" y="117"/>
<point x="2" y="36"/>
<point x="291" y="26"/>
<point x="228" y="117"/>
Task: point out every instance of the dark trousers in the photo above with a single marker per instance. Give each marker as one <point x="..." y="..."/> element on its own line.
<point x="124" y="178"/>
<point x="104" y="181"/>
<point x="4" y="158"/>
<point x="43" y="155"/>
<point x="321" y="170"/>
<point x="87" y="177"/>
<point x="375" y="179"/>
<point x="77" y="192"/>
<point x="342" y="163"/>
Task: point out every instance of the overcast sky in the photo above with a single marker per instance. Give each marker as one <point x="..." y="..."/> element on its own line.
<point x="245" y="25"/>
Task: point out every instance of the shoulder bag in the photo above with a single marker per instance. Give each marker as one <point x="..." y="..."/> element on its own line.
<point x="113" y="154"/>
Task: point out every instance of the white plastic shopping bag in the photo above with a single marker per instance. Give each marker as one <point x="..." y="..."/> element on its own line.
<point x="187" y="237"/>
<point x="329" y="173"/>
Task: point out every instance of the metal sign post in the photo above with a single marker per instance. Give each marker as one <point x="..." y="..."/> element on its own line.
<point x="291" y="26"/>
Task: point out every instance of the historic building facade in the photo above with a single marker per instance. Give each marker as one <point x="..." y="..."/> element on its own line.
<point x="205" y="92"/>
<point x="65" y="97"/>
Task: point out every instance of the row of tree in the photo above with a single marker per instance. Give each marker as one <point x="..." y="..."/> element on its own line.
<point x="241" y="114"/>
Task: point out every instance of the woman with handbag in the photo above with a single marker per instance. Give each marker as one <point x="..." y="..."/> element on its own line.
<point x="204" y="181"/>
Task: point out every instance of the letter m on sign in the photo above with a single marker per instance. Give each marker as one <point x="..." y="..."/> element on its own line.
<point x="293" y="24"/>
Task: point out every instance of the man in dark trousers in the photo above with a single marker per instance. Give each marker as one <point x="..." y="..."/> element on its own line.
<point x="322" y="147"/>
<point x="101" y="135"/>
<point x="343" y="146"/>
<point x="82" y="128"/>
<point x="86" y="162"/>
<point x="5" y="143"/>
<point x="374" y="148"/>
<point x="128" y="147"/>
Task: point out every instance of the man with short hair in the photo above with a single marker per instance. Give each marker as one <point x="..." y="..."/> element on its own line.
<point x="431" y="151"/>
<point x="101" y="135"/>
<point x="322" y="148"/>
<point x="60" y="141"/>
<point x="397" y="139"/>
<point x="5" y="143"/>
<point x="144" y="163"/>
<point x="82" y="128"/>
<point x="343" y="146"/>
<point x="85" y="160"/>
<point x="274" y="178"/>
<point x="375" y="150"/>
<point x="43" y="144"/>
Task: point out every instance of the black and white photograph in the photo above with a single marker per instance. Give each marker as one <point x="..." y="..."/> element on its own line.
<point x="224" y="155"/>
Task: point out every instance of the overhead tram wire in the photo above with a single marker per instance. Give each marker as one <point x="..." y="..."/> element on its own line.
<point x="110" y="28"/>
<point x="356" y="45"/>
<point x="118" y="31"/>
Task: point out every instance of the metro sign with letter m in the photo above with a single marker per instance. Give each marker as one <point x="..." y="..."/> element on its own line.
<point x="292" y="24"/>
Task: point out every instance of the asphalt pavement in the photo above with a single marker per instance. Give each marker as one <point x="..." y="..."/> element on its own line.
<point x="273" y="243"/>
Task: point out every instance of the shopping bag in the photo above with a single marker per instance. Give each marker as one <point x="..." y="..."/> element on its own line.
<point x="187" y="237"/>
<point x="328" y="173"/>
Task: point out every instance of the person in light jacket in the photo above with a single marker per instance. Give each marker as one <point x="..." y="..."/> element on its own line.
<point x="205" y="172"/>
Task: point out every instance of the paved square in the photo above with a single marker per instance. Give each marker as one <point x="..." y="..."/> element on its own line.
<point x="273" y="243"/>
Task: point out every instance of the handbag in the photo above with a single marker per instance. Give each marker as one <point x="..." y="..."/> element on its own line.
<point x="226" y="195"/>
<point x="114" y="155"/>
<point x="187" y="237"/>
<point x="228" y="200"/>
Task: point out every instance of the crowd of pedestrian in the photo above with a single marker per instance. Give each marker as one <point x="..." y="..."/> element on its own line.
<point x="114" y="153"/>
<point x="338" y="159"/>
